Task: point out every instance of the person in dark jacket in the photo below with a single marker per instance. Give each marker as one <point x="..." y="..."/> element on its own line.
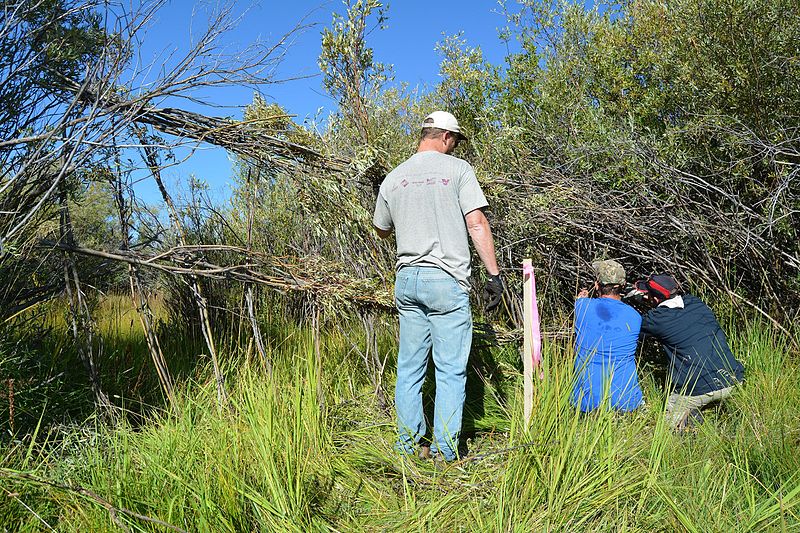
<point x="702" y="367"/>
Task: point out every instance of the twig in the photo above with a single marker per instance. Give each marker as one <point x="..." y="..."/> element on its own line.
<point x="507" y="450"/>
<point x="112" y="510"/>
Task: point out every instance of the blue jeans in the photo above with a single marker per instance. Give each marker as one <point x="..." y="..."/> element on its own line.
<point x="434" y="312"/>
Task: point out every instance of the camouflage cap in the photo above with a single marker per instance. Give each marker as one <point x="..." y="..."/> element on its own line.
<point x="609" y="272"/>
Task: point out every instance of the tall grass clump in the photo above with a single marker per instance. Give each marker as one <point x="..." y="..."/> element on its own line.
<point x="255" y="464"/>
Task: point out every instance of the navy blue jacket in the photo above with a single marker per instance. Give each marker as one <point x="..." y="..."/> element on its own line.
<point x="700" y="358"/>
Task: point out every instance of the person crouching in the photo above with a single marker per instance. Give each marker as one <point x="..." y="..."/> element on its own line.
<point x="606" y="335"/>
<point x="702" y="368"/>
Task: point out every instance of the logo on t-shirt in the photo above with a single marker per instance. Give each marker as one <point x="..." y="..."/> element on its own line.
<point x="445" y="181"/>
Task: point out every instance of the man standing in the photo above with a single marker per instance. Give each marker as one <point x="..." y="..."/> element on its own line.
<point x="702" y="367"/>
<point x="606" y="334"/>
<point x="433" y="201"/>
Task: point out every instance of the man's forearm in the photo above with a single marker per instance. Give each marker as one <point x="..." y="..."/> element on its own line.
<point x="484" y="244"/>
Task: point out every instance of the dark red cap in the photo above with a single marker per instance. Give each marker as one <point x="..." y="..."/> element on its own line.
<point x="662" y="285"/>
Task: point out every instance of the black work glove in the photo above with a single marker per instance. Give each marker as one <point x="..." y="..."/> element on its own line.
<point x="494" y="290"/>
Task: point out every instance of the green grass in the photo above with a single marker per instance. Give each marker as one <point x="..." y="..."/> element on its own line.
<point x="287" y="456"/>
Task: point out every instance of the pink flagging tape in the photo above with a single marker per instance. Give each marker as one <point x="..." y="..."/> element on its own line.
<point x="536" y="329"/>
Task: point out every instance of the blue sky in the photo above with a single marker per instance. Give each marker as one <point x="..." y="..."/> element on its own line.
<point x="414" y="28"/>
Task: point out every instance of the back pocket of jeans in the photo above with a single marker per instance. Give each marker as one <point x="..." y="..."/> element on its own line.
<point x="442" y="294"/>
<point x="400" y="284"/>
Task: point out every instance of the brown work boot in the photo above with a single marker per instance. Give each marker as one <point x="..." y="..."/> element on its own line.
<point x="424" y="452"/>
<point x="440" y="464"/>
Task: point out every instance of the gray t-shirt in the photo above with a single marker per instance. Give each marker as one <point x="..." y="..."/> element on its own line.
<point x="425" y="198"/>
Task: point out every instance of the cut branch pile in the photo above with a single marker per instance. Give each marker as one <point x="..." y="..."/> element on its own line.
<point x="696" y="227"/>
<point x="245" y="139"/>
<point x="314" y="275"/>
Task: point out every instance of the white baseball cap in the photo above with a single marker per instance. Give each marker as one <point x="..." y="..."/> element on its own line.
<point x="444" y="121"/>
